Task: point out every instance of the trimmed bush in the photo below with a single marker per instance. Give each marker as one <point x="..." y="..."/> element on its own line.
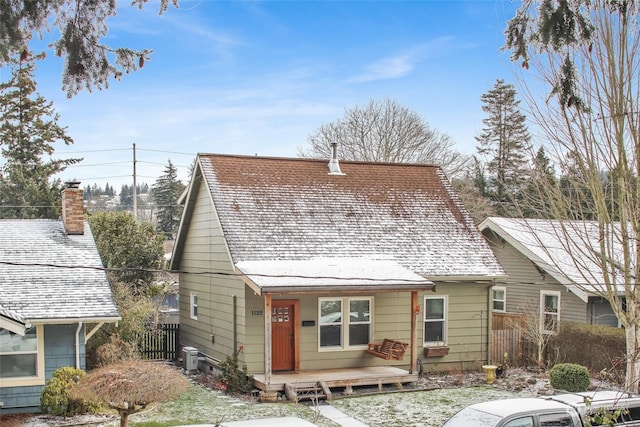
<point x="570" y="377"/>
<point x="54" y="398"/>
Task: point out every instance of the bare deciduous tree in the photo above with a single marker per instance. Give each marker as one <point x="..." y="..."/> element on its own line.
<point x="588" y="54"/>
<point x="385" y="131"/>
<point x="129" y="387"/>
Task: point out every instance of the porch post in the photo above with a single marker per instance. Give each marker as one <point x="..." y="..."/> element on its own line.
<point x="267" y="339"/>
<point x="414" y="333"/>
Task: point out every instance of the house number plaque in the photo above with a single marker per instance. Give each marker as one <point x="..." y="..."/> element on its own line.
<point x="257" y="312"/>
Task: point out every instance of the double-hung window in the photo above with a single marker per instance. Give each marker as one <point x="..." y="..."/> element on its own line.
<point x="435" y="321"/>
<point x="193" y="303"/>
<point x="549" y="311"/>
<point x="344" y="323"/>
<point x="499" y="296"/>
<point x="20" y="363"/>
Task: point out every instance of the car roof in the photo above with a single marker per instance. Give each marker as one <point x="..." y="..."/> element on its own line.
<point x="505" y="407"/>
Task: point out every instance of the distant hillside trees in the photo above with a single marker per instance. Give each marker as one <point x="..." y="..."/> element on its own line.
<point x="165" y="193"/>
<point x="28" y="131"/>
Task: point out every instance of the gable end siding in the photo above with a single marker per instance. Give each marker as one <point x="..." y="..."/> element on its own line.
<point x="525" y="282"/>
<point x="212" y="332"/>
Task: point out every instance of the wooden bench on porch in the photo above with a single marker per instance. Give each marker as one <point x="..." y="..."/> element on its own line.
<point x="388" y="349"/>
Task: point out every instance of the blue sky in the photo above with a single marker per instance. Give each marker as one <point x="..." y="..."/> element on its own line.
<point x="257" y="77"/>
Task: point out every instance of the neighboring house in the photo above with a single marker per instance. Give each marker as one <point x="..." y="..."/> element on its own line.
<point x="537" y="256"/>
<point x="299" y="265"/>
<point x="52" y="289"/>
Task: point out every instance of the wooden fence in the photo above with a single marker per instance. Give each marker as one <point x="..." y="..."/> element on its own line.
<point x="508" y="346"/>
<point x="162" y="343"/>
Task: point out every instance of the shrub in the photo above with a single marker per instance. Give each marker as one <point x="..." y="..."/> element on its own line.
<point x="232" y="378"/>
<point x="116" y="350"/>
<point x="54" y="398"/>
<point x="593" y="346"/>
<point x="570" y="377"/>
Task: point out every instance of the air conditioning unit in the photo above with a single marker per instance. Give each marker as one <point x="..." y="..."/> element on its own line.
<point x="190" y="358"/>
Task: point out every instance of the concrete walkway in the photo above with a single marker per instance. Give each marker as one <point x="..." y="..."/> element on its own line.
<point x="337" y="416"/>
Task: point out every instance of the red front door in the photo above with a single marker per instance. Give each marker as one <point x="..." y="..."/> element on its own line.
<point x="283" y="347"/>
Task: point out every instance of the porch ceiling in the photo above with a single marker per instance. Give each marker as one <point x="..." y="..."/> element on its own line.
<point x="329" y="275"/>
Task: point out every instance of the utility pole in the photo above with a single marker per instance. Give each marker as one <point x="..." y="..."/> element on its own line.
<point x="135" y="191"/>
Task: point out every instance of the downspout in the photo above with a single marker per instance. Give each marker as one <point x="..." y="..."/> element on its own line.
<point x="235" y="322"/>
<point x="78" y="345"/>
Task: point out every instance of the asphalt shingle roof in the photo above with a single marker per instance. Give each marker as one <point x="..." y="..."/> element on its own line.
<point x="292" y="209"/>
<point x="568" y="250"/>
<point x="40" y="278"/>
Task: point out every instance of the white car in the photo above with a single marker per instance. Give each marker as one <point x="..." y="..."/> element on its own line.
<point x="561" y="410"/>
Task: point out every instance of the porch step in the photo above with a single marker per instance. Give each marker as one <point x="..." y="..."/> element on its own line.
<point x="307" y="391"/>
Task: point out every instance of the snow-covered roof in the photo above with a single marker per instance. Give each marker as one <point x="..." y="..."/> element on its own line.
<point x="568" y="250"/>
<point x="331" y="274"/>
<point x="12" y="321"/>
<point x="284" y="209"/>
<point x="49" y="276"/>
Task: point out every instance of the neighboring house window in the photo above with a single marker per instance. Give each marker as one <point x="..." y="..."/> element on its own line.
<point x="499" y="298"/>
<point x="435" y="321"/>
<point x="344" y="322"/>
<point x="22" y="358"/>
<point x="194" y="306"/>
<point x="549" y="311"/>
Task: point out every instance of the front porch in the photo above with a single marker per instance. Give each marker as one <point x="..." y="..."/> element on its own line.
<point x="336" y="378"/>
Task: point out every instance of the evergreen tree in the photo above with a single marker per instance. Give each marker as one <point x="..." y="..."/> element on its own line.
<point x="126" y="196"/>
<point x="165" y="193"/>
<point x="535" y="203"/>
<point x="133" y="249"/>
<point x="504" y="142"/>
<point x="28" y="129"/>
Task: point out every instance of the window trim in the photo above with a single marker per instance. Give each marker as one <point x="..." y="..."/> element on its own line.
<point x="444" y="320"/>
<point x="504" y="300"/>
<point x="542" y="311"/>
<point x="39" y="378"/>
<point x="345" y="323"/>
<point x="193" y="305"/>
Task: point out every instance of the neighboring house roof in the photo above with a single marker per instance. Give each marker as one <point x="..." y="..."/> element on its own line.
<point x="567" y="250"/>
<point x="49" y="276"/>
<point x="274" y="211"/>
<point x="12" y="321"/>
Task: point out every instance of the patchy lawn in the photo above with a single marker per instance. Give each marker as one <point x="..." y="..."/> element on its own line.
<point x="426" y="408"/>
<point x="203" y="406"/>
<point x="419" y="408"/>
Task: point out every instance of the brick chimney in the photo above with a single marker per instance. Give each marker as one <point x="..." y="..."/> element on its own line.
<point x="73" y="208"/>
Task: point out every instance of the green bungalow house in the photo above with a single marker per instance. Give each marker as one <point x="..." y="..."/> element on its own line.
<point x="52" y="288"/>
<point x="305" y="268"/>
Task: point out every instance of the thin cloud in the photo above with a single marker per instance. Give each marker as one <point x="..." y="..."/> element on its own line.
<point x="401" y="65"/>
<point x="386" y="69"/>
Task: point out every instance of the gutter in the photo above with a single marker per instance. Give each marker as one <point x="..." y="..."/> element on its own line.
<point x="62" y="321"/>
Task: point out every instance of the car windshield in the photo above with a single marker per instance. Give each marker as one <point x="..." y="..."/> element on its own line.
<point x="472" y="417"/>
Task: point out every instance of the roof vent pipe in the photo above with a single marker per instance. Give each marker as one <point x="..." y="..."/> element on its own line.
<point x="334" y="166"/>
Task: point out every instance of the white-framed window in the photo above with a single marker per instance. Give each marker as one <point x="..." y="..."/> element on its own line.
<point x="435" y="320"/>
<point x="344" y="322"/>
<point x="193" y="303"/>
<point x="499" y="297"/>
<point x="549" y="311"/>
<point x="22" y="358"/>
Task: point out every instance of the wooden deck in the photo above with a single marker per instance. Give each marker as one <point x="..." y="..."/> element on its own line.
<point x="343" y="378"/>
